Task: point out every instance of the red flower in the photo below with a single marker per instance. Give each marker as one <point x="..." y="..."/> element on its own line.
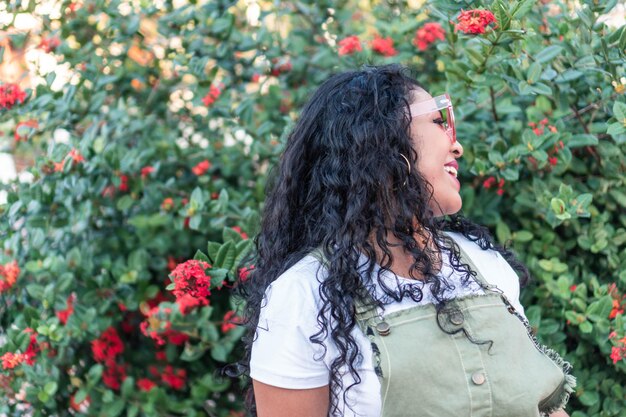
<point x="255" y="77"/>
<point x="186" y="303"/>
<point x="230" y="321"/>
<point x="145" y="384"/>
<point x="617" y="354"/>
<point x="32" y="349"/>
<point x="245" y="272"/>
<point x="114" y="375"/>
<point x="49" y="44"/>
<point x="76" y="156"/>
<point x="160" y="355"/>
<point x="175" y="337"/>
<point x="82" y="406"/>
<point x="383" y="46"/>
<point x="349" y="45"/>
<point x="500" y="191"/>
<point x="145" y="171"/>
<point x="8" y="275"/>
<point x="427" y="35"/>
<point x="538" y="131"/>
<point x="123" y="183"/>
<point x="174" y="377"/>
<point x="10" y="360"/>
<point x="167" y="204"/>
<point x="32" y="123"/>
<point x="489" y="182"/>
<point x="238" y="230"/>
<point x="190" y="278"/>
<point x="201" y="168"/>
<point x="573" y="287"/>
<point x="280" y="66"/>
<point x="107" y="346"/>
<point x="475" y="21"/>
<point x="211" y="96"/>
<point x="553" y="160"/>
<point x="63" y="315"/>
<point x="617" y="309"/>
<point x="108" y="191"/>
<point x="10" y="94"/>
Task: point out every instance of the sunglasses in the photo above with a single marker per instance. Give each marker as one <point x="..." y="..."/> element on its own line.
<point x="439" y="103"/>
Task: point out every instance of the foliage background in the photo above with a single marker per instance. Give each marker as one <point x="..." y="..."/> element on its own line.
<point x="541" y="113"/>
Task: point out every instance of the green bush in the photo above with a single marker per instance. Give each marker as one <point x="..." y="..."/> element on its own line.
<point x="161" y="141"/>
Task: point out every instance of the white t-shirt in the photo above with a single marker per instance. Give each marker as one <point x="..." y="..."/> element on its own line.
<point x="283" y="356"/>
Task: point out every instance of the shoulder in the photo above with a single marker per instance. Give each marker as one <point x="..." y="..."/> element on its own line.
<point x="295" y="292"/>
<point x="494" y="268"/>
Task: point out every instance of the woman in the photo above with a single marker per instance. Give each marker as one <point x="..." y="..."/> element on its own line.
<point x="370" y="297"/>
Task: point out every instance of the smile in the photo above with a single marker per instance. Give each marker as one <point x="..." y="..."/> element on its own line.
<point x="450" y="170"/>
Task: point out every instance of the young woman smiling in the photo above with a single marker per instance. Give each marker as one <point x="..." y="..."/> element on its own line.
<point x="371" y="295"/>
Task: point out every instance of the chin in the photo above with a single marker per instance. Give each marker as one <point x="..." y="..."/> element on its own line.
<point x="452" y="207"/>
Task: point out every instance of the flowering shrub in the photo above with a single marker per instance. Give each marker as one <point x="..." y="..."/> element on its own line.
<point x="159" y="140"/>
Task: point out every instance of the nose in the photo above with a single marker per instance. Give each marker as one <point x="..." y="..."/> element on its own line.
<point x="457" y="149"/>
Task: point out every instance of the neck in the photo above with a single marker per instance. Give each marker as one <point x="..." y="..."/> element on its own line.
<point x="403" y="260"/>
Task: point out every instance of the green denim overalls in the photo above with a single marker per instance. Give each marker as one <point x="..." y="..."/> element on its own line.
<point x="486" y="363"/>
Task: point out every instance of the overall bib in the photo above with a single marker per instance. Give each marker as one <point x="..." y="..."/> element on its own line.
<point x="486" y="363"/>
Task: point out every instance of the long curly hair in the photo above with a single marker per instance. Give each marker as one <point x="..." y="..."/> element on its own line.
<point x="343" y="186"/>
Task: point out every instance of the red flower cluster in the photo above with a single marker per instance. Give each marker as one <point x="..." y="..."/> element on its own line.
<point x="280" y="66"/>
<point x="211" y="96"/>
<point x="49" y="44"/>
<point x="230" y="321"/>
<point x="427" y="35"/>
<point x="145" y="384"/>
<point x="8" y="275"/>
<point x="82" y="406"/>
<point x="186" y="303"/>
<point x="74" y="155"/>
<point x="190" y="278"/>
<point x="146" y="171"/>
<point x="617" y="352"/>
<point x="245" y="272"/>
<point x="114" y="374"/>
<point x="349" y="45"/>
<point x="32" y="123"/>
<point x="618" y="308"/>
<point x="10" y="94"/>
<point x="201" y="168"/>
<point x="383" y="46"/>
<point x="152" y="328"/>
<point x="174" y="377"/>
<point x="491" y="181"/>
<point x="108" y="346"/>
<point x="475" y="21"/>
<point x="255" y="77"/>
<point x="63" y="315"/>
<point x="123" y="183"/>
<point x="12" y="359"/>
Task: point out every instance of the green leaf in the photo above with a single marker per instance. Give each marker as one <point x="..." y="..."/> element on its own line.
<point x="615" y="129"/>
<point x="534" y="71"/>
<point x="586" y="327"/>
<point x="582" y="140"/>
<point x="522" y="8"/>
<point x="225" y="256"/>
<point x="125" y="203"/>
<point x="115" y="408"/>
<point x="557" y="205"/>
<point x="50" y="388"/>
<point x="230" y="234"/>
<point x="600" y="309"/>
<point x="522" y="236"/>
<point x="200" y="256"/>
<point x="549" y="53"/>
<point x="541" y="88"/>
<point x="35" y="291"/>
<point x="619" y="110"/>
<point x="589" y="398"/>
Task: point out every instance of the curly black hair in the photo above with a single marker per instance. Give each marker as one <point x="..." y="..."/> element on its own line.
<point x="343" y="186"/>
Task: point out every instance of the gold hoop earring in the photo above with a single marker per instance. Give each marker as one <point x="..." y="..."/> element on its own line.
<point x="408" y="165"/>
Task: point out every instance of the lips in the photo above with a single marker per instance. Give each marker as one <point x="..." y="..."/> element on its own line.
<point x="452" y="168"/>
